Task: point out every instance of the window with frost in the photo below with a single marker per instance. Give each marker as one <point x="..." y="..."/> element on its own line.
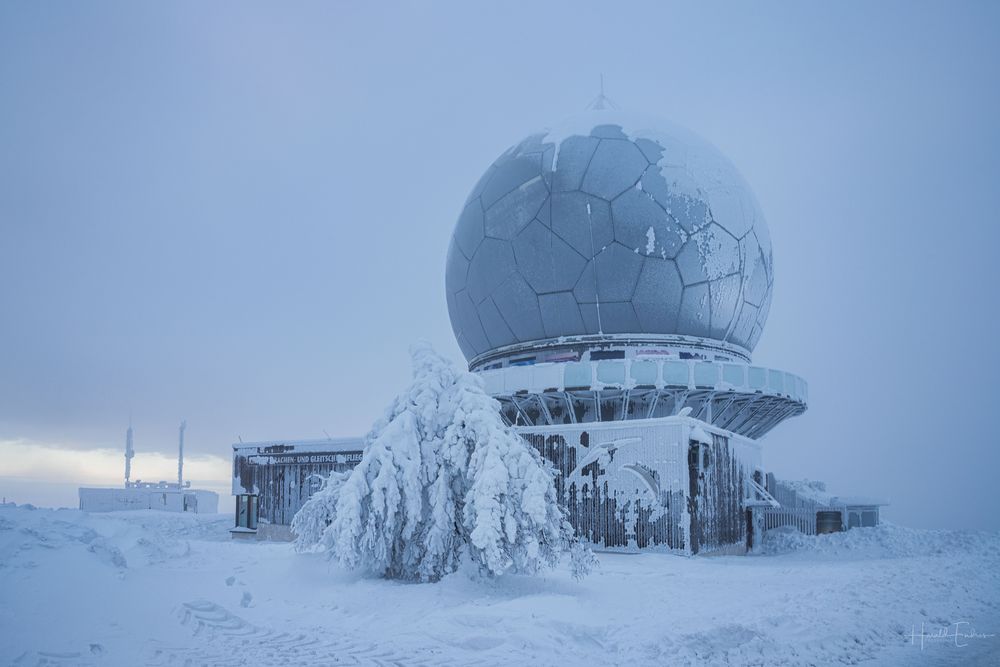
<point x="246" y="511"/>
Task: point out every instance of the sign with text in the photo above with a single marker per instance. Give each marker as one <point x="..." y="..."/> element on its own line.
<point x="293" y="458"/>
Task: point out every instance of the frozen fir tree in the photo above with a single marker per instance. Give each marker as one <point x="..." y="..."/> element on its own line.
<point x="311" y="521"/>
<point x="442" y="478"/>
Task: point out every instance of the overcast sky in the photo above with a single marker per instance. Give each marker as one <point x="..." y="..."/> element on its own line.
<point x="238" y="214"/>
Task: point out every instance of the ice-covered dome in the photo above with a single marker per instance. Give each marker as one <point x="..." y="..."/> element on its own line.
<point x="609" y="223"/>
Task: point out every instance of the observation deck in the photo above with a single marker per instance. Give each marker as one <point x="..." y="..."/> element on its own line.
<point x="738" y="397"/>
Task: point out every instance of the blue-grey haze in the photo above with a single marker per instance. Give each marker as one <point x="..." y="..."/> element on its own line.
<point x="238" y="213"/>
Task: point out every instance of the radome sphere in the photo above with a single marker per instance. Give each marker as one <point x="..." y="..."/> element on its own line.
<point x="609" y="223"/>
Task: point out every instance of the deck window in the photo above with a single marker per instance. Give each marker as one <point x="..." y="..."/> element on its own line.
<point x="733" y="374"/>
<point x="675" y="373"/>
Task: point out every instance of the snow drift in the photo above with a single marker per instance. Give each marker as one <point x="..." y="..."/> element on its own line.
<point x="187" y="594"/>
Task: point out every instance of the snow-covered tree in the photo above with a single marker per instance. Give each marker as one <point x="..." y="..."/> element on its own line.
<point x="311" y="521"/>
<point x="442" y="478"/>
<point x="511" y="516"/>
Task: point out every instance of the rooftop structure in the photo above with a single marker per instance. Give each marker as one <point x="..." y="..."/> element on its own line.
<point x="162" y="495"/>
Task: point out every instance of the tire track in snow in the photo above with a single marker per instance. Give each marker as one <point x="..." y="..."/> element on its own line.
<point x="46" y="658"/>
<point x="229" y="640"/>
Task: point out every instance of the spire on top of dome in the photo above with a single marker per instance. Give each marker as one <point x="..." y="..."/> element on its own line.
<point x="601" y="102"/>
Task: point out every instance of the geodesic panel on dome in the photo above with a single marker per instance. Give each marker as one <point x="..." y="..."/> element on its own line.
<point x="511" y="213"/>
<point x="650" y="149"/>
<point x="617" y="270"/>
<point x="609" y="224"/>
<point x="547" y="262"/>
<point x="583" y="221"/>
<point x="466" y="318"/>
<point x="616" y="317"/>
<point x="690" y="212"/>
<point x="586" y="287"/>
<point x="745" y="321"/>
<point x="695" y="312"/>
<point x="763" y="237"/>
<point x="725" y="296"/>
<point x="457" y="270"/>
<point x="575" y="153"/>
<point x="518" y="305"/>
<point x="616" y="166"/>
<point x="610" y="131"/>
<point x="496" y="328"/>
<point x="659" y="284"/>
<point x="560" y="315"/>
<point x="720" y="251"/>
<point x="488" y="268"/>
<point x="756" y="285"/>
<point x="690" y="265"/>
<point x="641" y="223"/>
<point x="727" y="211"/>
<point x="469" y="231"/>
<point x="509" y="172"/>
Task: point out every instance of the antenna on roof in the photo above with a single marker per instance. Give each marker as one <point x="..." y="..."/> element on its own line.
<point x="180" y="456"/>
<point x="129" y="451"/>
<point x="601" y="101"/>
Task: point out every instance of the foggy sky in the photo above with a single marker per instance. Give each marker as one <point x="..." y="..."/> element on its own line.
<point x="238" y="213"/>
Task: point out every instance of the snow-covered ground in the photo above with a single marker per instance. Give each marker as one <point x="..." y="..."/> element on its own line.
<point x="135" y="588"/>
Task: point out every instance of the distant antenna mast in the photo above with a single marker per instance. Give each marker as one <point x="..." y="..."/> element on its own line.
<point x="129" y="452"/>
<point x="601" y="101"/>
<point x="180" y="457"/>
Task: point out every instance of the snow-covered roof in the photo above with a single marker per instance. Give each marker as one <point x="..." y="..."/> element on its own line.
<point x="816" y="492"/>
<point x="698" y="430"/>
<point x="852" y="501"/>
<point x="321" y="445"/>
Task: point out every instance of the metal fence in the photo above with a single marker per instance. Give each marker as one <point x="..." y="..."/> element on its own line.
<point x="802" y="518"/>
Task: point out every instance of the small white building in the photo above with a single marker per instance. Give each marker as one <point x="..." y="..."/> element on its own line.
<point x="138" y="495"/>
<point x="167" y="498"/>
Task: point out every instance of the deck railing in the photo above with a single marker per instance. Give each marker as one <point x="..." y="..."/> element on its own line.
<point x="801" y="518"/>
